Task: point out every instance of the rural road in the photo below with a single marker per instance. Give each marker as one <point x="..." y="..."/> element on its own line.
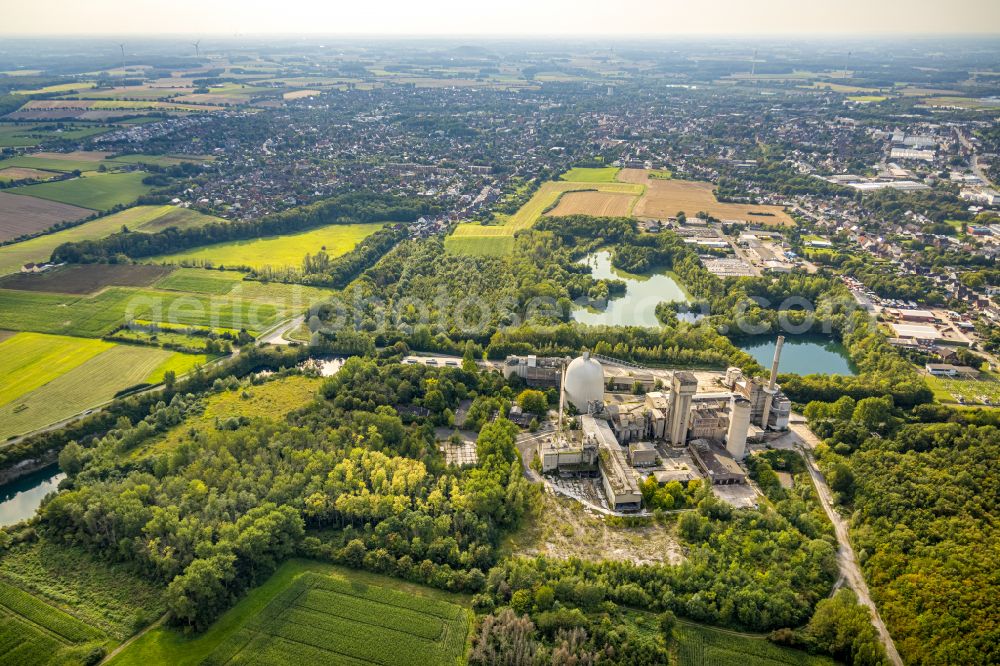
<point x="276" y="336"/>
<point x="849" y="568"/>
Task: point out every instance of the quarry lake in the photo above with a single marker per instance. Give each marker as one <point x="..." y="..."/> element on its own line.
<point x="801" y="354"/>
<point x="19" y="499"/>
<point x="637" y="307"/>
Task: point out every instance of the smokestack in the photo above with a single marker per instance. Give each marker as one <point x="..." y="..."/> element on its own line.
<point x="774" y="365"/>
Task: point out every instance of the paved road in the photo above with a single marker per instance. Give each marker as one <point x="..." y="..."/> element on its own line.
<point x="849" y="568"/>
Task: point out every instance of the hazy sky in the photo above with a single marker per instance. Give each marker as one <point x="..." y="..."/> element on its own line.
<point x="499" y="17"/>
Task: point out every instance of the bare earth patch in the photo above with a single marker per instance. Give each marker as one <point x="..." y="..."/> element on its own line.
<point x="20" y="214"/>
<point x="564" y="528"/>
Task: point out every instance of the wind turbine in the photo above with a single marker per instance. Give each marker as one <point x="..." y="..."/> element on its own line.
<point x="122" y="47"/>
<point x="753" y="65"/>
<point x="197" y="48"/>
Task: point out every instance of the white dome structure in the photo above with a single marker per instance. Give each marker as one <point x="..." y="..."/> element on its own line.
<point x="584" y="382"/>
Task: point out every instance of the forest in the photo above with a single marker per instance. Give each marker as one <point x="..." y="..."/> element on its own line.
<point x="921" y="485"/>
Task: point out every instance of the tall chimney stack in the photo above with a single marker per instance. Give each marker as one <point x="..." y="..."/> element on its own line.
<point x="774" y="365"/>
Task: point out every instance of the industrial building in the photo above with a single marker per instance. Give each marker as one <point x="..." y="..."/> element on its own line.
<point x="616" y="440"/>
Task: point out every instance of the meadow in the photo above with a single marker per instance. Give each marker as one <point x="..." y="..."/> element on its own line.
<point x="147" y="219"/>
<point x="89" y="385"/>
<point x="591" y="175"/>
<point x="22" y="135"/>
<point x="277" y="252"/>
<point x="99" y="191"/>
<point x="31" y="360"/>
<point x="698" y="645"/>
<point x="105" y="595"/>
<point x="309" y="612"/>
<point x="273" y="400"/>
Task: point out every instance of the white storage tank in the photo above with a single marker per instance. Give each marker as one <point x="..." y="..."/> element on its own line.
<point x="584" y="382"/>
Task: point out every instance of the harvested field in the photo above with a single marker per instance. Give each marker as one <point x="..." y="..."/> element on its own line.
<point x="76" y="155"/>
<point x="147" y="219"/>
<point x="665" y="198"/>
<point x="85" y="278"/>
<point x="20" y="215"/>
<point x="546" y="196"/>
<point x="11" y="174"/>
<point x="598" y="204"/>
<point x="299" y="94"/>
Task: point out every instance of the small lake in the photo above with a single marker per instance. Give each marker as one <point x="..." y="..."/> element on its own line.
<point x="637" y="307"/>
<point x="19" y="499"/>
<point x="801" y="354"/>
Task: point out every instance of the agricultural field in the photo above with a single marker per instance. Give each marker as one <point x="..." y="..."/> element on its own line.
<point x="59" y="88"/>
<point x="99" y="109"/>
<point x="11" y="174"/>
<point x="20" y="215"/>
<point x="598" y="204"/>
<point x="105" y="595"/>
<point x="33" y="632"/>
<point x="665" y="198"/>
<point x="157" y="160"/>
<point x="546" y="196"/>
<point x="310" y="612"/>
<point x="959" y="102"/>
<point x="22" y="135"/>
<point x="31" y="360"/>
<point x="89" y="385"/>
<point x="591" y="175"/>
<point x="147" y="219"/>
<point x="85" y="278"/>
<point x="200" y="281"/>
<point x="99" y="191"/>
<point x="698" y="645"/>
<point x="277" y="252"/>
<point x="60" y="162"/>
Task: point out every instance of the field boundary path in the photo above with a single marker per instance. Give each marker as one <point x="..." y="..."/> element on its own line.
<point x="850" y="571"/>
<point x="114" y="653"/>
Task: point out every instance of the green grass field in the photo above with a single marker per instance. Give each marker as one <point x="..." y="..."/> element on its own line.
<point x="201" y="281"/>
<point x="105" y="595"/>
<point x="33" y="632"/>
<point x="545" y="197"/>
<point x="591" y="175"/>
<point x="276" y="251"/>
<point x="89" y="385"/>
<point x="704" y="646"/>
<point x="147" y="219"/>
<point x="309" y="612"/>
<point x="31" y="360"/>
<point x="94" y="316"/>
<point x="21" y="135"/>
<point x="98" y="191"/>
